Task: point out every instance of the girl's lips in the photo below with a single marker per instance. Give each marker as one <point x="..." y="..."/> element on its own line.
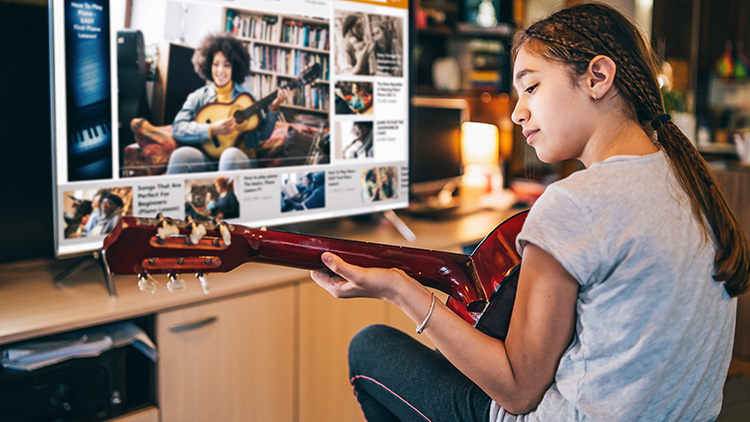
<point x="529" y="133"/>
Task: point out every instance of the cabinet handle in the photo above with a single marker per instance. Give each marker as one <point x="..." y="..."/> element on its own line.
<point x="193" y="325"/>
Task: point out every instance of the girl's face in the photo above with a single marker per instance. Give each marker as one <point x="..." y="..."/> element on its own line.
<point x="555" y="112"/>
<point x="377" y="34"/>
<point x="108" y="206"/>
<point x="358" y="30"/>
<point x="221" y="70"/>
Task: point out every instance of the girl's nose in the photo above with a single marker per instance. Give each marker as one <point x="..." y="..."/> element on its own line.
<point x="520" y="113"/>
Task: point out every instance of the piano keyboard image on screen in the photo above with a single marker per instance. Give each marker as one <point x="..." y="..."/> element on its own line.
<point x="89" y="90"/>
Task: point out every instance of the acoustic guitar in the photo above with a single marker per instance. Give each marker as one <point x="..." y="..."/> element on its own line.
<point x="147" y="246"/>
<point x="246" y="111"/>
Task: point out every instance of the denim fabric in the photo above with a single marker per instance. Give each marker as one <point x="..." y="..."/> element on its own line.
<point x="192" y="160"/>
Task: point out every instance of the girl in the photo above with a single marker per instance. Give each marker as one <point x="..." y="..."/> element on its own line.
<point x="223" y="61"/>
<point x="624" y="309"/>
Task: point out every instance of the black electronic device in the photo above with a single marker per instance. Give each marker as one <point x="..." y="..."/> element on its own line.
<point x="435" y="160"/>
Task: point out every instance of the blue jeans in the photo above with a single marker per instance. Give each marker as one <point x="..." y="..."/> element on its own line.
<point x="397" y="378"/>
<point x="192" y="160"/>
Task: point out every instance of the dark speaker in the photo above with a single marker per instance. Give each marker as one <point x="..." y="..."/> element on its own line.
<point x="175" y="80"/>
<point x="131" y="83"/>
<point x="75" y="390"/>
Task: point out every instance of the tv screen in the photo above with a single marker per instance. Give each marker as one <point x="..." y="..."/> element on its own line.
<point x="258" y="112"/>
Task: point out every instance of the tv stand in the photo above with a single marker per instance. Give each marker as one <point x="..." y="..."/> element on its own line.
<point x="83" y="263"/>
<point x="399" y="225"/>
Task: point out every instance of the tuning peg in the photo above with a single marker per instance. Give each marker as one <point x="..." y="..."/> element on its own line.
<point x="165" y="227"/>
<point x="197" y="231"/>
<point x="225" y="234"/>
<point x="146" y="283"/>
<point x="175" y="283"/>
<point x="204" y="282"/>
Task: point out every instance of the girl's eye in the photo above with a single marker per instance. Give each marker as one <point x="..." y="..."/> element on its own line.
<point x="530" y="89"/>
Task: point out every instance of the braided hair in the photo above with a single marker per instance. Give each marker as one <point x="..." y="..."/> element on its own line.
<point x="574" y="36"/>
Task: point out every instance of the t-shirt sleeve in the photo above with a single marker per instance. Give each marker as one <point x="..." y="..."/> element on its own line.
<point x="557" y="224"/>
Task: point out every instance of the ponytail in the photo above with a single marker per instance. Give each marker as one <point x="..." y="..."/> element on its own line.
<point x="732" y="260"/>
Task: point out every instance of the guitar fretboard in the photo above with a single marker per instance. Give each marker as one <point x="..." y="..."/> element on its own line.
<point x="263" y="103"/>
<point x="307" y="76"/>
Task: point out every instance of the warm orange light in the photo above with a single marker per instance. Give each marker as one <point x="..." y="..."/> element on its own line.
<point x="480" y="144"/>
<point x="480" y="148"/>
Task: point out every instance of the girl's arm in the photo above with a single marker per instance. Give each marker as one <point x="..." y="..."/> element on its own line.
<point x="515" y="373"/>
<point x="185" y="129"/>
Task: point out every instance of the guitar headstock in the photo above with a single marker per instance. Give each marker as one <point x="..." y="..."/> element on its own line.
<point x="310" y="74"/>
<point x="145" y="246"/>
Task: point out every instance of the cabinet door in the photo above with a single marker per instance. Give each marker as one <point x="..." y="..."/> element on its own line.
<point x="229" y="360"/>
<point x="326" y="327"/>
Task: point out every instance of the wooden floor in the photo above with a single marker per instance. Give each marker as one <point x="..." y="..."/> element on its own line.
<point x="736" y="407"/>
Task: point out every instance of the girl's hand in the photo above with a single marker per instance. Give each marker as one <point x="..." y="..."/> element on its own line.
<point x="349" y="280"/>
<point x="281" y="96"/>
<point x="223" y="127"/>
<point x="363" y="51"/>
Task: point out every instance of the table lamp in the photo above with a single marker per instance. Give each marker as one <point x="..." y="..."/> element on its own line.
<point x="480" y="150"/>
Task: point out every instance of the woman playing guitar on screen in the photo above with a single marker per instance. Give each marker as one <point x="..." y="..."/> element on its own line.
<point x="225" y="62"/>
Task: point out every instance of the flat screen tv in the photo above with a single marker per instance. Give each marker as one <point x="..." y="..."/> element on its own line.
<point x="123" y="72"/>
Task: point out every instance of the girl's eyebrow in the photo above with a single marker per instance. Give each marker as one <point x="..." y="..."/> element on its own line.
<point x="522" y="73"/>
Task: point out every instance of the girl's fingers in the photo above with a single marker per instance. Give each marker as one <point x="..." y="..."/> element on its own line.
<point x="341" y="267"/>
<point x="337" y="286"/>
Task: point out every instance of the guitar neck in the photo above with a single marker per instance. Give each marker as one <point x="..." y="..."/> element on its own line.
<point x="254" y="109"/>
<point x="261" y="104"/>
<point x="164" y="246"/>
<point x="451" y="273"/>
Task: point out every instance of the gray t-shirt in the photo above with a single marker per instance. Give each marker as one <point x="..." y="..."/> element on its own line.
<point x="654" y="332"/>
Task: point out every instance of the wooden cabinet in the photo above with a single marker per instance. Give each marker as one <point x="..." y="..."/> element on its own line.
<point x="326" y="327"/>
<point x="246" y="358"/>
<point x="229" y="360"/>
<point x="149" y="414"/>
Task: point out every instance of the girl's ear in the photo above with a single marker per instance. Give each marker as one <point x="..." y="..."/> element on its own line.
<point x="600" y="76"/>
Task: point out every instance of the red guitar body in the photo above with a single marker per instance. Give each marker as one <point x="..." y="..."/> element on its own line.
<point x="134" y="247"/>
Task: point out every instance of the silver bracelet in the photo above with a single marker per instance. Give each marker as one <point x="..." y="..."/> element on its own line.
<point x="427" y="318"/>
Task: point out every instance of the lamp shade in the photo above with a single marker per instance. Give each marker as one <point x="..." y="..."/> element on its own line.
<point x="480" y="144"/>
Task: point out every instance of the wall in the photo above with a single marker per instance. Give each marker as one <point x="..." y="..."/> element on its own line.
<point x="638" y="10"/>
